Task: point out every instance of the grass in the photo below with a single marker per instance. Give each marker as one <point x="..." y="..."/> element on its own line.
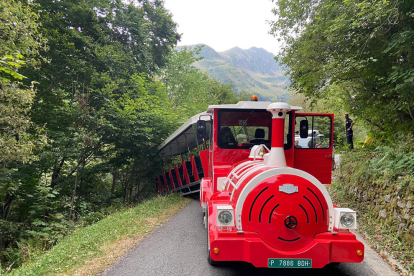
<point x="89" y="250"/>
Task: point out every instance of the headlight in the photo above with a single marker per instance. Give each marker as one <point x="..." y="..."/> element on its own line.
<point x="347" y="220"/>
<point x="225" y="217"/>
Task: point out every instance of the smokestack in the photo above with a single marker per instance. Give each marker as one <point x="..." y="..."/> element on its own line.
<point x="277" y="152"/>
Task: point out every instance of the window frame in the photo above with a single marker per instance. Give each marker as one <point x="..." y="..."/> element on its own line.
<point x="313" y="120"/>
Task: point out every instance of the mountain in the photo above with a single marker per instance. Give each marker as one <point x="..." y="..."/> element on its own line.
<point x="253" y="70"/>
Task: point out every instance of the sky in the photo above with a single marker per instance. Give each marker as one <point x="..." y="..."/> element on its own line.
<point x="224" y="24"/>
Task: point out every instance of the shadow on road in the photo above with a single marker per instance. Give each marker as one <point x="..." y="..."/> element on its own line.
<point x="241" y="268"/>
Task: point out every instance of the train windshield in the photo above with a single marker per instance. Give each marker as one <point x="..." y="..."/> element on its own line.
<point x="242" y="129"/>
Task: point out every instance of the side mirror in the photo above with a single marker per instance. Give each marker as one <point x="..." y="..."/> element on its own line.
<point x="201" y="129"/>
<point x="304" y="127"/>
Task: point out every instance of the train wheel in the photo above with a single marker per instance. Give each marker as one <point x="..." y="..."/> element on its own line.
<point x="210" y="260"/>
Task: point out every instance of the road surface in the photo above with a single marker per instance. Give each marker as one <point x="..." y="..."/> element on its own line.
<point x="179" y="248"/>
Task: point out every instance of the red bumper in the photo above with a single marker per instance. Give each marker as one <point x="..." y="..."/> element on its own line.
<point x="324" y="249"/>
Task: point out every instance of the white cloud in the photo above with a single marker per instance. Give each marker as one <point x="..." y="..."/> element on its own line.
<point x="224" y="24"/>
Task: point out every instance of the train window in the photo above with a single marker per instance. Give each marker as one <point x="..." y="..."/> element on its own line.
<point x="242" y="129"/>
<point x="319" y="132"/>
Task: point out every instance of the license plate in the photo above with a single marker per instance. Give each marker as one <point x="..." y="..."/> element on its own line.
<point x="290" y="263"/>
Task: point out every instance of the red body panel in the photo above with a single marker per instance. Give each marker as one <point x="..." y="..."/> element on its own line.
<point x="323" y="250"/>
<point x="205" y="189"/>
<point x="204" y="161"/>
<point x="224" y="160"/>
<point x="249" y="246"/>
<point x="321" y="165"/>
<point x="266" y="209"/>
<point x="317" y="162"/>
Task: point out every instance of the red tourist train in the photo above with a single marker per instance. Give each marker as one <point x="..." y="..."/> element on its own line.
<point x="262" y="171"/>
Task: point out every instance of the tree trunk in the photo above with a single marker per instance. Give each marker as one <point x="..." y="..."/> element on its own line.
<point x="114" y="175"/>
<point x="4" y="214"/>
<point x="74" y="194"/>
<point x="130" y="192"/>
<point x="56" y="173"/>
<point x="81" y="178"/>
<point x="6" y="207"/>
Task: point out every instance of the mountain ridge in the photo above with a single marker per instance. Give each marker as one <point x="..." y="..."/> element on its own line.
<point x="253" y="70"/>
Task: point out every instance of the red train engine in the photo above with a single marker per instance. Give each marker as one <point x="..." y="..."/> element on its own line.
<point x="263" y="192"/>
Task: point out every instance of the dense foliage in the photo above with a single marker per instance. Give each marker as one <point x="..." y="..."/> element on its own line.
<point x="356" y="51"/>
<point x="88" y="91"/>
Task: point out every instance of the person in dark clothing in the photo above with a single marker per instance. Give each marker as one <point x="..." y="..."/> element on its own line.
<point x="349" y="132"/>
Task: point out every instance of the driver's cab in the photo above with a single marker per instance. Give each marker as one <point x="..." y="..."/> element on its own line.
<point x="237" y="128"/>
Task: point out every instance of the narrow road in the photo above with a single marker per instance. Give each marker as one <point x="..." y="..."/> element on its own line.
<point x="179" y="248"/>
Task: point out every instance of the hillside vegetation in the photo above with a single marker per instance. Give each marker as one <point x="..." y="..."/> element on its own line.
<point x="358" y="52"/>
<point x="253" y="70"/>
<point x="379" y="184"/>
<point x="89" y="250"/>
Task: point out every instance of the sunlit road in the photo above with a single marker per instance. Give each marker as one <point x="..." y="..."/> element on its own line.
<point x="179" y="248"/>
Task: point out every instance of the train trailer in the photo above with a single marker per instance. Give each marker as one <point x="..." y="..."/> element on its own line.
<point x="263" y="196"/>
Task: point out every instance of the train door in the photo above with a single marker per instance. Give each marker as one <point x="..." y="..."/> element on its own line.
<point x="314" y="153"/>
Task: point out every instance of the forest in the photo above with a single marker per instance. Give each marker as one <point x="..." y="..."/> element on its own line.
<point x="357" y="55"/>
<point x="89" y="89"/>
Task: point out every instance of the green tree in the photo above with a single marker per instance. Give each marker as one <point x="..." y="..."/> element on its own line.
<point x="101" y="109"/>
<point x="93" y="52"/>
<point x="189" y="89"/>
<point x="359" y="52"/>
<point x="20" y="44"/>
<point x="19" y="38"/>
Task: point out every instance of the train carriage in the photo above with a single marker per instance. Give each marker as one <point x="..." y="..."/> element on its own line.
<point x="263" y="195"/>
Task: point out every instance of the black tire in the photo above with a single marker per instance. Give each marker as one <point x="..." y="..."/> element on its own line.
<point x="332" y="266"/>
<point x="211" y="261"/>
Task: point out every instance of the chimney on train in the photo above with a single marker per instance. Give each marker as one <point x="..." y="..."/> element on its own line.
<point x="277" y="153"/>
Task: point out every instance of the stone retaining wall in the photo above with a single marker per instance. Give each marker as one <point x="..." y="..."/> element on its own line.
<point x="390" y="199"/>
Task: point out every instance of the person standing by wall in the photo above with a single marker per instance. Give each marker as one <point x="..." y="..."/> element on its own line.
<point x="349" y="132"/>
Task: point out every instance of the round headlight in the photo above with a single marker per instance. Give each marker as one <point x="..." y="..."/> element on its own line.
<point x="347" y="220"/>
<point x="225" y="217"/>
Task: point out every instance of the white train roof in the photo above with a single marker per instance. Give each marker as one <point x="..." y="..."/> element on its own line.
<point x="184" y="138"/>
<point x="246" y="105"/>
<point x="240" y="105"/>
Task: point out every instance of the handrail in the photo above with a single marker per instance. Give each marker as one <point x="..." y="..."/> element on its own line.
<point x="171" y="179"/>
<point x="177" y="174"/>
<point x="182" y="174"/>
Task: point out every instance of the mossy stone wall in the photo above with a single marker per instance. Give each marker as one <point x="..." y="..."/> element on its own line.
<point x="388" y="197"/>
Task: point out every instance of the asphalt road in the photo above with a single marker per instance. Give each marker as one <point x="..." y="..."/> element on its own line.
<point x="179" y="248"/>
